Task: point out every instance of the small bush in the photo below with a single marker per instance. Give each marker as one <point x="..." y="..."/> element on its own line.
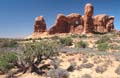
<point x="66" y="41"/>
<point x="100" y="69"/>
<point x="118" y="70"/>
<point x="55" y="37"/>
<point x="83" y="36"/>
<point x="81" y="44"/>
<point x="102" y="46"/>
<point x="74" y="35"/>
<point x="58" y="73"/>
<point x="43" y="48"/>
<point x="86" y="76"/>
<point x="72" y="67"/>
<point x="84" y="60"/>
<point x="103" y="39"/>
<point x="7" y="61"/>
<point x="87" y="65"/>
<point x="8" y="43"/>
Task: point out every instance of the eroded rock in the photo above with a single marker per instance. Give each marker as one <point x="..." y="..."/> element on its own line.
<point x="75" y="23"/>
<point x="40" y="25"/>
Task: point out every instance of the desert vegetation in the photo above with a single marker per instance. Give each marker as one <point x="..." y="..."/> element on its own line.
<point x="71" y="56"/>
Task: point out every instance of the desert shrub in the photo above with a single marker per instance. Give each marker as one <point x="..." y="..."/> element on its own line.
<point x="81" y="44"/>
<point x="55" y="37"/>
<point x="103" y="39"/>
<point x="7" y="61"/>
<point x="102" y="46"/>
<point x="43" y="48"/>
<point x="86" y="76"/>
<point x="87" y="65"/>
<point x="28" y="39"/>
<point x="114" y="47"/>
<point x="8" y="43"/>
<point x="84" y="60"/>
<point x="117" y="58"/>
<point x="58" y="73"/>
<point x="100" y="69"/>
<point x="118" y="70"/>
<point x="74" y="35"/>
<point x="83" y="36"/>
<point x="72" y="67"/>
<point x="55" y="62"/>
<point x="34" y="53"/>
<point x="66" y="41"/>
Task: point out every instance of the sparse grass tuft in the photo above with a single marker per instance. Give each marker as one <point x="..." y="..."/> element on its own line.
<point x="58" y="73"/>
<point x="102" y="46"/>
<point x="81" y="44"/>
<point x="7" y="61"/>
<point x="86" y="76"/>
<point x="66" y="41"/>
<point x="100" y="69"/>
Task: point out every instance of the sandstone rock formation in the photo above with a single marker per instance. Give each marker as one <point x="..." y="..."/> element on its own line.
<point x="40" y="25"/>
<point x="103" y="23"/>
<point x="75" y="23"/>
<point x="66" y="24"/>
<point x="61" y="25"/>
<point x="88" y="20"/>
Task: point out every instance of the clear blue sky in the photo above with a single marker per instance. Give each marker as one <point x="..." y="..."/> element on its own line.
<point x="17" y="16"/>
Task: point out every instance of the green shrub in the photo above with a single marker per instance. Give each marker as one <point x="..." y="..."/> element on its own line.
<point x="8" y="43"/>
<point x="74" y="35"/>
<point x="66" y="41"/>
<point x="102" y="46"/>
<point x="58" y="73"/>
<point x="7" y="61"/>
<point x="83" y="36"/>
<point x="81" y="44"/>
<point x="39" y="49"/>
<point x="55" y="37"/>
<point x="103" y="39"/>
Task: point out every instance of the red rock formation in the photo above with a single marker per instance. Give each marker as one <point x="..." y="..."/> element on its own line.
<point x="75" y="23"/>
<point x="61" y="25"/>
<point x="88" y="21"/>
<point x="40" y="25"/>
<point x="110" y="24"/>
<point x="103" y="23"/>
<point x="66" y="24"/>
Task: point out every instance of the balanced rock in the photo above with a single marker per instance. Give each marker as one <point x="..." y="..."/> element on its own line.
<point x="40" y="25"/>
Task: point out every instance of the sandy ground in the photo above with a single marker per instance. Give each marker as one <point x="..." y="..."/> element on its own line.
<point x="66" y="59"/>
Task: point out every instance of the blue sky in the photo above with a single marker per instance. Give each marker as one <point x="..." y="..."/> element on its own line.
<point x="17" y="16"/>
